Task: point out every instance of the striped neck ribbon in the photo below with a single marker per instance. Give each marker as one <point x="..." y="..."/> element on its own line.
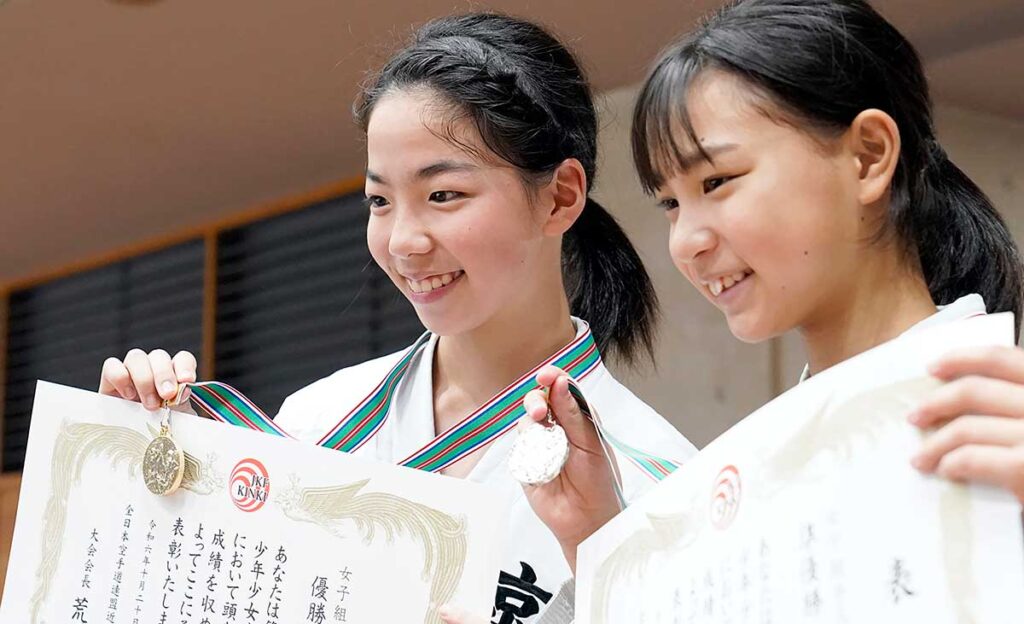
<point x="487" y="423"/>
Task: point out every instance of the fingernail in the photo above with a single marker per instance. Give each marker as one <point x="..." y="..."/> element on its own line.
<point x="167" y="388"/>
<point x="914" y="417"/>
<point x="564" y="392"/>
<point x="536" y="404"/>
<point x="444" y="612"/>
<point x="917" y="462"/>
<point x="130" y="393"/>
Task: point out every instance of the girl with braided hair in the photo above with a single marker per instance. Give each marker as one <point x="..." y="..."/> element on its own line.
<point x="481" y="154"/>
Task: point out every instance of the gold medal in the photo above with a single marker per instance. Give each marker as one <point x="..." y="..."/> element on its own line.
<point x="163" y="464"/>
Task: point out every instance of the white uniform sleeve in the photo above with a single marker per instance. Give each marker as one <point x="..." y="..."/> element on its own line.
<point x="561" y="610"/>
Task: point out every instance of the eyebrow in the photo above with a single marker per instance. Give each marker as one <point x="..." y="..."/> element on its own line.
<point x="689" y="160"/>
<point x="430" y="171"/>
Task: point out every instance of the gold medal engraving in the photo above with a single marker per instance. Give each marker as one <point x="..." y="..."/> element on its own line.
<point x="163" y="465"/>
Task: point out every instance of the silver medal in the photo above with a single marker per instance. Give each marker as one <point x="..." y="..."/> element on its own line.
<point x="539" y="452"/>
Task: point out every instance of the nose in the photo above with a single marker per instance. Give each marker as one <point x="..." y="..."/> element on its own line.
<point x="409" y="236"/>
<point x="689" y="239"/>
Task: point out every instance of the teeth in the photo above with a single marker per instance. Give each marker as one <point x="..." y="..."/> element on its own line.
<point x="722" y="284"/>
<point x="432" y="283"/>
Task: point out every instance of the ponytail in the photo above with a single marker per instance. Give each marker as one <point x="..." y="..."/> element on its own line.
<point x="963" y="243"/>
<point x="608" y="286"/>
<point x="527" y="96"/>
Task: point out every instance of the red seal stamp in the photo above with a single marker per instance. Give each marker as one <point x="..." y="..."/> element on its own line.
<point x="725" y="497"/>
<point x="249" y="485"/>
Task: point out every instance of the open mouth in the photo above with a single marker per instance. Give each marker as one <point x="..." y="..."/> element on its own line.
<point x="434" y="282"/>
<point x="720" y="285"/>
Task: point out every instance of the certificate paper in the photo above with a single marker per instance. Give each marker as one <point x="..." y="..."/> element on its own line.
<point x="264" y="529"/>
<point x="809" y="511"/>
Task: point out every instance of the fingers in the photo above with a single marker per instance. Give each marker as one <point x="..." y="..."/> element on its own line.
<point x="536" y="405"/>
<point x="970" y="395"/>
<point x="164" y="378"/>
<point x="185" y="366"/>
<point x="141" y="373"/>
<point x="578" y="428"/>
<point x="999" y="466"/>
<point x="968" y="431"/>
<point x="1005" y="363"/>
<point x="150" y="378"/>
<point x="548" y="374"/>
<point x="453" y="615"/>
<point x="115" y="380"/>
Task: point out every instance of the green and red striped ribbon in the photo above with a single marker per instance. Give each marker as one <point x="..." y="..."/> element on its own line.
<point x="489" y="422"/>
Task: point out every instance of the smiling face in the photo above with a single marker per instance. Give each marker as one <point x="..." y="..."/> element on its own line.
<point x="772" y="231"/>
<point x="455" y="232"/>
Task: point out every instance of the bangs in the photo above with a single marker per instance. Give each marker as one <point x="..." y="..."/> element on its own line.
<point x="663" y="133"/>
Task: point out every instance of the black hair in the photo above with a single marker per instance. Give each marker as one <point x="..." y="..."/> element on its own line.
<point x="821" y="63"/>
<point x="528" y="98"/>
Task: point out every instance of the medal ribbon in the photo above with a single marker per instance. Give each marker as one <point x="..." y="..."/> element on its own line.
<point x="489" y="422"/>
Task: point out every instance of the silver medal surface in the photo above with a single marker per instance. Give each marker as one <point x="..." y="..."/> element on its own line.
<point x="538" y="454"/>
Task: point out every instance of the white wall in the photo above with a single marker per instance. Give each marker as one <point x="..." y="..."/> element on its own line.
<point x="706" y="380"/>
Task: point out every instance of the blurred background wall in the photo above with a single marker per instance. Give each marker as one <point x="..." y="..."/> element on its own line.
<point x="185" y="174"/>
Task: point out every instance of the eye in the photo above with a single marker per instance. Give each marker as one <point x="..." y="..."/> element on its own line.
<point x="712" y="184"/>
<point x="668" y="204"/>
<point x="441" y="197"/>
<point x="375" y="201"/>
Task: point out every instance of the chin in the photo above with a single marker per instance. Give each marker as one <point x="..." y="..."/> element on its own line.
<point x="445" y="324"/>
<point x="750" y="331"/>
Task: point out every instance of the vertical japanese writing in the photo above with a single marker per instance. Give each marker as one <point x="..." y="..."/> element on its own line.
<point x="213" y="567"/>
<point x="274" y="597"/>
<point x="810" y="571"/>
<point x="344" y="580"/>
<point x="80" y="605"/>
<point x="899" y="582"/>
<point x="256" y="587"/>
<point x="122" y="554"/>
<point x="318" y="601"/>
<point x="173" y="565"/>
<point x="195" y="553"/>
<point x="147" y="553"/>
<point x="235" y="566"/>
<point x="765" y="575"/>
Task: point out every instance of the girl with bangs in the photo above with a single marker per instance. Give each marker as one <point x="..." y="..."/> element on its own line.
<point x="481" y="143"/>
<point x="791" y="145"/>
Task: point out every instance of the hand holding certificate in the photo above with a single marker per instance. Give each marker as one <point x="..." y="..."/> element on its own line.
<point x="809" y="510"/>
<point x="262" y="528"/>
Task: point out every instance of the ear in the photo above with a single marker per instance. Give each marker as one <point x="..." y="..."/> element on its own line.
<point x="564" y="197"/>
<point x="874" y="140"/>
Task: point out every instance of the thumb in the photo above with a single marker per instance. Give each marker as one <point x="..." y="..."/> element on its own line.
<point x="578" y="427"/>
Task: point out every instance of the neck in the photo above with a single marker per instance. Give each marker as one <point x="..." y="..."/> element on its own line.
<point x="472" y="367"/>
<point x="881" y="306"/>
